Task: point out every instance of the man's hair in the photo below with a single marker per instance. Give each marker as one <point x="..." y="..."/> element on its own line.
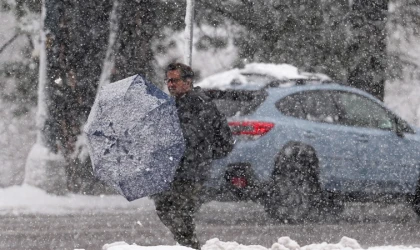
<point x="185" y="70"/>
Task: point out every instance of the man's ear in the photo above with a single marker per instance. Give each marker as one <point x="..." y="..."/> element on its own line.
<point x="190" y="82"/>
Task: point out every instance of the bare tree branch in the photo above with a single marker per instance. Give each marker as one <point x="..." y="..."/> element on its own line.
<point x="11" y="40"/>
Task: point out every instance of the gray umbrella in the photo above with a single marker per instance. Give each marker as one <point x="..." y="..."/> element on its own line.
<point x="134" y="137"/>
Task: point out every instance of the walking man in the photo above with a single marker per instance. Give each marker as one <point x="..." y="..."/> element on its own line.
<point x="207" y="136"/>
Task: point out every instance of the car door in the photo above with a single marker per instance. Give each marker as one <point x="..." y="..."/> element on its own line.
<point x="388" y="162"/>
<point x="335" y="144"/>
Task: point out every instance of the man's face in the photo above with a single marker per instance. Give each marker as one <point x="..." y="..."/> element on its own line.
<point x="176" y="85"/>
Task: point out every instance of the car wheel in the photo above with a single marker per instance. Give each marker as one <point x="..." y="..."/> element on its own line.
<point x="330" y="206"/>
<point x="415" y="201"/>
<point x="294" y="192"/>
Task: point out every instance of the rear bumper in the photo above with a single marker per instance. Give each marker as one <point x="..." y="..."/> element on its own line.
<point x="238" y="183"/>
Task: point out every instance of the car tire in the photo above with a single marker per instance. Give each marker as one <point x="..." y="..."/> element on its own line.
<point x="294" y="193"/>
<point x="331" y="206"/>
<point x="415" y="201"/>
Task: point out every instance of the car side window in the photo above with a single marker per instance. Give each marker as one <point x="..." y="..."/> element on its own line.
<point x="310" y="105"/>
<point x="291" y="106"/>
<point x="319" y="107"/>
<point x="359" y="111"/>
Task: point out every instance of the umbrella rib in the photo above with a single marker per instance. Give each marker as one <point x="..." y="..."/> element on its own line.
<point x="152" y="110"/>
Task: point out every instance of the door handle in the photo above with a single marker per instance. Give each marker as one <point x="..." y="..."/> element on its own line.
<point x="363" y="138"/>
<point x="309" y="134"/>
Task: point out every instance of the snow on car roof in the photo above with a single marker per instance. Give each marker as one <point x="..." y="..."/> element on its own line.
<point x="256" y="76"/>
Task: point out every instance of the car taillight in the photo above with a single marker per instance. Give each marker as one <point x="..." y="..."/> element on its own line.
<point x="239" y="182"/>
<point x="250" y="128"/>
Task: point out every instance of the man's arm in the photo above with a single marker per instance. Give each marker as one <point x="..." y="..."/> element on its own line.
<point x="223" y="140"/>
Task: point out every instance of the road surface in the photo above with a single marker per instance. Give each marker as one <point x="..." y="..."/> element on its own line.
<point x="245" y="223"/>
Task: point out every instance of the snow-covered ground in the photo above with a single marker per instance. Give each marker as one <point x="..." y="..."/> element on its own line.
<point x="283" y="243"/>
<point x="19" y="200"/>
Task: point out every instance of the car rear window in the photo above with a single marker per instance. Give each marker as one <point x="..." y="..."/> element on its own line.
<point x="237" y="102"/>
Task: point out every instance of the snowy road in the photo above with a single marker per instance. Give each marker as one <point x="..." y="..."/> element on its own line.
<point x="244" y="223"/>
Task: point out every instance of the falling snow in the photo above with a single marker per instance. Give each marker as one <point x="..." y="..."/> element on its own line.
<point x="56" y="55"/>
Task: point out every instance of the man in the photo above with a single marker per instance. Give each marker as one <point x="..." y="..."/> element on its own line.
<point x="207" y="136"/>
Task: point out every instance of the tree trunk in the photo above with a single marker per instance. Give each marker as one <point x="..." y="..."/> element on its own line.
<point x="109" y="61"/>
<point x="76" y="38"/>
<point x="137" y="29"/>
<point x="189" y="25"/>
<point x="44" y="165"/>
<point x="81" y="51"/>
<point x="367" y="46"/>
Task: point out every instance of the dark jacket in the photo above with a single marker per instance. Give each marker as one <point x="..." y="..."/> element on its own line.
<point x="206" y="134"/>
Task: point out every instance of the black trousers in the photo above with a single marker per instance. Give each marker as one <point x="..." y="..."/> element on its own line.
<point x="176" y="209"/>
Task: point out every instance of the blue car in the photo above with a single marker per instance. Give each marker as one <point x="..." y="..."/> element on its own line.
<point x="306" y="149"/>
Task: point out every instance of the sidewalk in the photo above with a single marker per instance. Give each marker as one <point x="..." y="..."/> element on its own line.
<point x="28" y="200"/>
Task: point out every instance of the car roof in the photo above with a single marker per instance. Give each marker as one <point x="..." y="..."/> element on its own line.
<point x="292" y="88"/>
<point x="257" y="75"/>
<point x="287" y="87"/>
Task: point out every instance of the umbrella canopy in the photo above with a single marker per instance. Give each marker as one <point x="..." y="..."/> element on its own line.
<point x="134" y="137"/>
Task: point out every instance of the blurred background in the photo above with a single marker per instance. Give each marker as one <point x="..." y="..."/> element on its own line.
<point x="373" y="46"/>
